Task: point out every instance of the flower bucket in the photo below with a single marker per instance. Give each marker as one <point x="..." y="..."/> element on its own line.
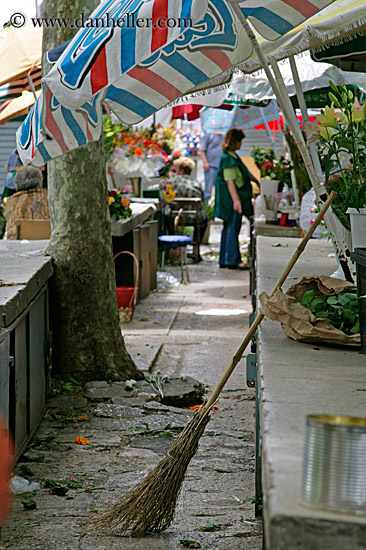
<point x="269" y="200"/>
<point x="358" y="227"/>
<point x="136" y="186"/>
<point x="126" y="295"/>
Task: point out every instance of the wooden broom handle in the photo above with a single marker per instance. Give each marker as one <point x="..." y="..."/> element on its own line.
<point x="235" y="360"/>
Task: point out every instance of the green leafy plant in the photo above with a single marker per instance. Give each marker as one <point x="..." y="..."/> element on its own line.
<point x="260" y="156"/>
<point x="270" y="167"/>
<point x="341" y="310"/>
<point x="110" y="132"/>
<point x="342" y="135"/>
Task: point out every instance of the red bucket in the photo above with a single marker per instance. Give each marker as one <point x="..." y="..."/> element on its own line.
<point x="126" y="295"/>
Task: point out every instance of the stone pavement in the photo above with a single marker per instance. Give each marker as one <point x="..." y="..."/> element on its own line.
<point x="172" y="333"/>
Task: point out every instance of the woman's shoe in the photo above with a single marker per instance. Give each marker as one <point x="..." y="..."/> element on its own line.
<point x="223" y="266"/>
<point x="239" y="266"/>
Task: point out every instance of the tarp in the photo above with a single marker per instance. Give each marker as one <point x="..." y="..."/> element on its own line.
<point x="313" y="76"/>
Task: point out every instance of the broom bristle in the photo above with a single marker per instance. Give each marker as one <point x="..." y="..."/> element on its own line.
<point x="150" y="505"/>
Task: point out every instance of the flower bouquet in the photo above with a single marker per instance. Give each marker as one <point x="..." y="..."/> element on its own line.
<point x="119" y="206"/>
<point x="135" y="154"/>
<point x="342" y="135"/>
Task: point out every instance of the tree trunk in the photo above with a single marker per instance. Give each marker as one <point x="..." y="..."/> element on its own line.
<point x="87" y="339"/>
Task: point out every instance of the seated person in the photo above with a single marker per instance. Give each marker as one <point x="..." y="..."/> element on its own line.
<point x="185" y="186"/>
<point x="29" y="202"/>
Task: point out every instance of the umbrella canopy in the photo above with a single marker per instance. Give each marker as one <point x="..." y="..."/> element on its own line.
<point x="221" y="120"/>
<point x="138" y="71"/>
<point x="17" y="107"/>
<point x="313" y="77"/>
<point x="340" y="19"/>
<point x="20" y="52"/>
<point x="15" y="88"/>
<point x="349" y="54"/>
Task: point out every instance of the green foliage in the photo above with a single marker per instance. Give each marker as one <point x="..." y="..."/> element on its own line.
<point x="261" y="155"/>
<point x="341" y="310"/>
<point x="55" y="487"/>
<point x="110" y="132"/>
<point x="343" y="138"/>
<point x="70" y="385"/>
<point x="270" y="167"/>
<point x="29" y="504"/>
<point x="211" y="526"/>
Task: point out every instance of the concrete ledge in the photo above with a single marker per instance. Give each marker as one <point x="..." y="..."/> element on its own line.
<point x="140" y="213"/>
<point x="296" y="380"/>
<point x="24" y="269"/>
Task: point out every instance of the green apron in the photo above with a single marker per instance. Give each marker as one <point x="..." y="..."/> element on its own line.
<point x="223" y="201"/>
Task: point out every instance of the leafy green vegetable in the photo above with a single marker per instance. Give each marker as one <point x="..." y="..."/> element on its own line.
<point x="341" y="310"/>
<point x="29" y="504"/>
<point x="189" y="543"/>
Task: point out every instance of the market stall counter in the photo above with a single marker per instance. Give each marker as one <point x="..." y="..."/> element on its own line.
<point x="139" y="235"/>
<point x="24" y="336"/>
<point x="295" y="380"/>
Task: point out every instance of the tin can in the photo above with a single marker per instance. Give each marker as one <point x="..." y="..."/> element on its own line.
<point x="334" y="465"/>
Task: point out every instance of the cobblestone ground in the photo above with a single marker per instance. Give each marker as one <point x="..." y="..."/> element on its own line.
<point x="183" y="330"/>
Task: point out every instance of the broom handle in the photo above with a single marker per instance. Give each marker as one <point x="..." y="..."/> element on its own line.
<point x="235" y="360"/>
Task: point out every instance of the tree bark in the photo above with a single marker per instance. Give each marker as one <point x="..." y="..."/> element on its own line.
<point x="87" y="339"/>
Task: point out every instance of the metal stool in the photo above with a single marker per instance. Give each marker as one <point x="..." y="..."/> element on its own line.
<point x="171" y="242"/>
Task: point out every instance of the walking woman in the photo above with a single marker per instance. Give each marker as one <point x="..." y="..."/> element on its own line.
<point x="233" y="198"/>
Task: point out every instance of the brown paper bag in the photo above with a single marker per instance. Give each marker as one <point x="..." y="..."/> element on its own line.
<point x="298" y="322"/>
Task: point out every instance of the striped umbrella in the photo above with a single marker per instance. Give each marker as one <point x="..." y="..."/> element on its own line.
<point x="137" y="70"/>
<point x="20" y="52"/>
<point x="20" y="62"/>
<point x="19" y="106"/>
<point x="14" y="89"/>
<point x="339" y="20"/>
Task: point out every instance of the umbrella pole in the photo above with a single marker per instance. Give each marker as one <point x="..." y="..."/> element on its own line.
<point x="31" y="85"/>
<point x="333" y="225"/>
<point x="331" y="220"/>
<point x="288" y="112"/>
<point x="301" y="99"/>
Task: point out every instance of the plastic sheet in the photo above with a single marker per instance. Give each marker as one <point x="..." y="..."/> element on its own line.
<point x="20" y="485"/>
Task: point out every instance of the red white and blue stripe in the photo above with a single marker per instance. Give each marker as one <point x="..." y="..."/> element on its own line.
<point x="133" y="31"/>
<point x="166" y="71"/>
<point x="273" y="18"/>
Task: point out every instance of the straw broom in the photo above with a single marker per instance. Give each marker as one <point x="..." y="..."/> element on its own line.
<point x="150" y="506"/>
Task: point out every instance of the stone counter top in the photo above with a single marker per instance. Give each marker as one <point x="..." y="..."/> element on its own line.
<point x="296" y="380"/>
<point x="141" y="212"/>
<point x="24" y="269"/>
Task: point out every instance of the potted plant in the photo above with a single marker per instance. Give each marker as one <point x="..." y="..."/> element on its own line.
<point x="275" y="173"/>
<point x="342" y="135"/>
